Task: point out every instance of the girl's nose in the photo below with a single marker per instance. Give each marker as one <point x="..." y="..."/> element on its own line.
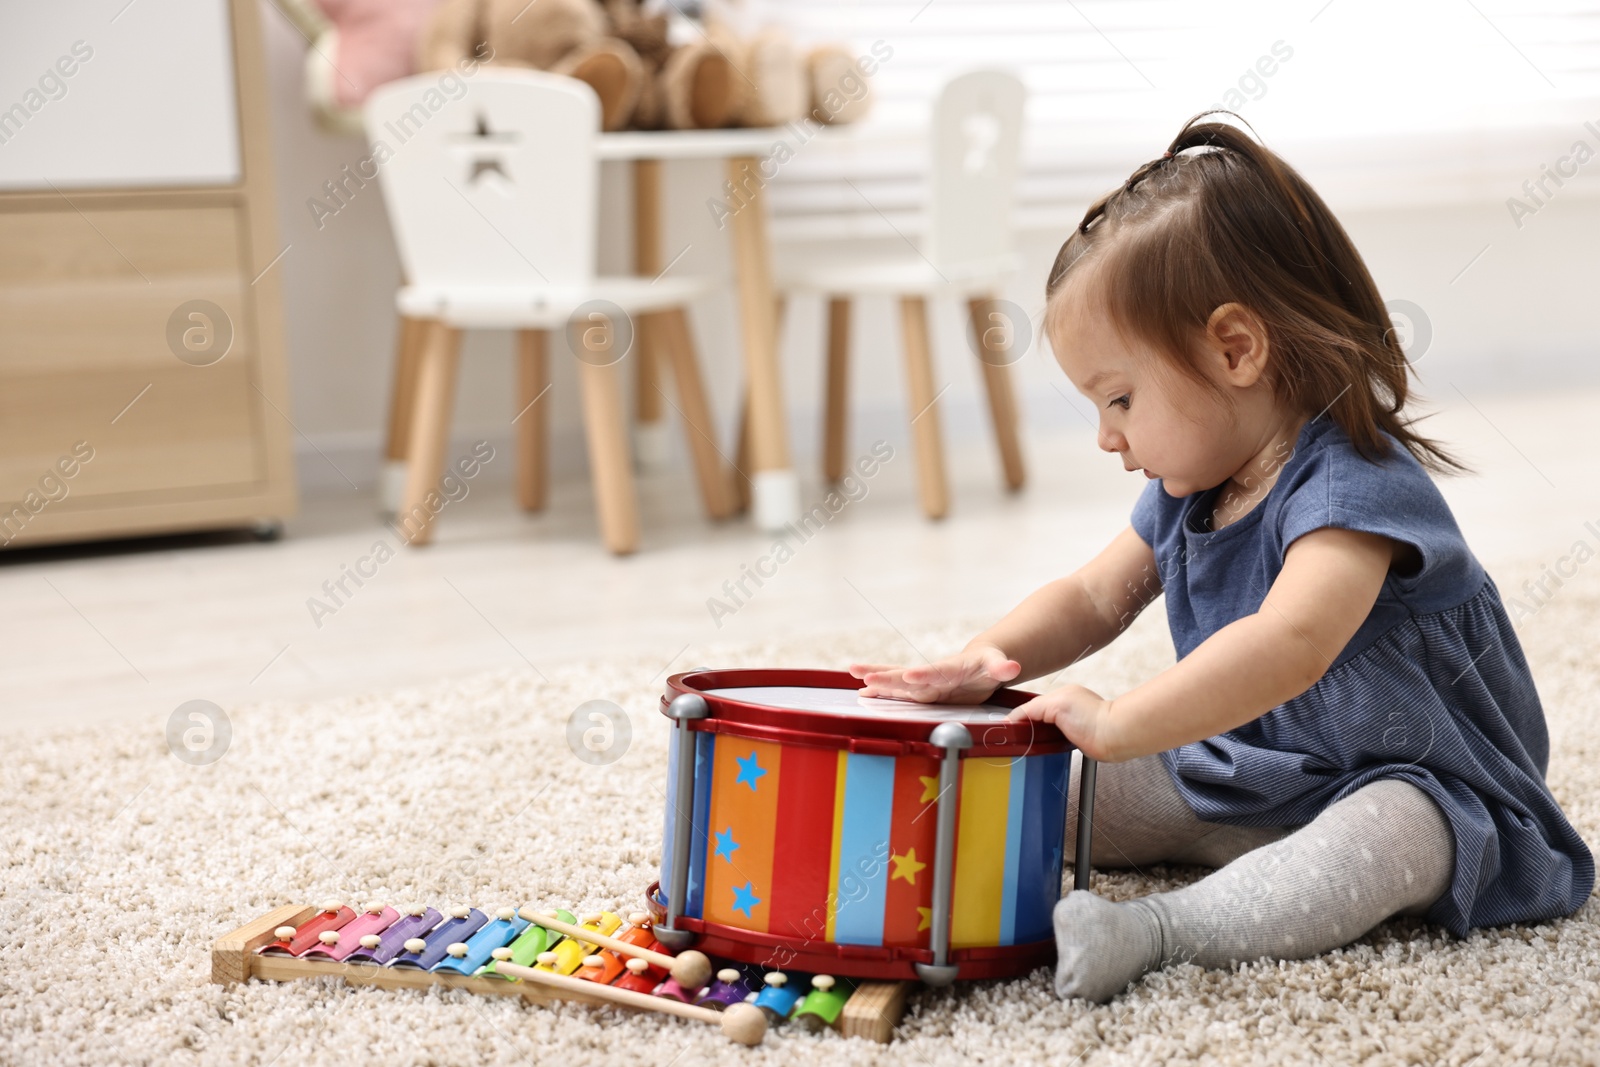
<point x="1110" y="440"/>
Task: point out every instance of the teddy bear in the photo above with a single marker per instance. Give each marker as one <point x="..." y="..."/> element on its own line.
<point x="655" y="64"/>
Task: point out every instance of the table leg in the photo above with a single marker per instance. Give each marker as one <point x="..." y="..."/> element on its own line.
<point x="649" y="426"/>
<point x="775" y="493"/>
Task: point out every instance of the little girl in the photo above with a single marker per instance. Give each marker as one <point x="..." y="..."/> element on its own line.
<point x="1351" y="731"/>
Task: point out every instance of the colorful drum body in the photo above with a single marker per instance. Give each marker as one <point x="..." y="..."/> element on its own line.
<point x="814" y="824"/>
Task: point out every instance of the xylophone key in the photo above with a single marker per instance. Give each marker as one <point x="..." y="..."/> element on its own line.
<point x="777" y="998"/>
<point x="636" y="977"/>
<point x="308" y="935"/>
<point x="730" y="987"/>
<point x="569" y="953"/>
<point x="416" y="922"/>
<point x="498" y="933"/>
<point x="462" y="924"/>
<point x="526" y="949"/>
<point x="340" y="944"/>
<point x="822" y="1006"/>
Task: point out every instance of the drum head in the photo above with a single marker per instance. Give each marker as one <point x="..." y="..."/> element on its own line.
<point x="825" y="708"/>
<point x="825" y="701"/>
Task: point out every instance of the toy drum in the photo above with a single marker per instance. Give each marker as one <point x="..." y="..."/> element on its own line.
<point x="810" y="828"/>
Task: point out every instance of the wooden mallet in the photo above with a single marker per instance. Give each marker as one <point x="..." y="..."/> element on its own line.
<point x="743" y="1023"/>
<point x="691" y="969"/>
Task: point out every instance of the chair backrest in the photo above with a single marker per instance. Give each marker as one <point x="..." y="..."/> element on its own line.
<point x="490" y="180"/>
<point x="977" y="142"/>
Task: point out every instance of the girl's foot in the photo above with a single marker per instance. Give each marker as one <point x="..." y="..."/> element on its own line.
<point x="1102" y="947"/>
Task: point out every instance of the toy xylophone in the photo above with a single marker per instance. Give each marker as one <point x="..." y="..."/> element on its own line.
<point x="544" y="956"/>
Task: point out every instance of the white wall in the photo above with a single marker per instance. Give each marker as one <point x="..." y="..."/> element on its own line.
<point x="1520" y="317"/>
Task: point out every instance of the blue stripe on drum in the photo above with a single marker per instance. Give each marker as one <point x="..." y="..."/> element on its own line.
<point x="864" y="849"/>
<point x="1014" y="844"/>
<point x="1044" y="826"/>
<point x="705" y="750"/>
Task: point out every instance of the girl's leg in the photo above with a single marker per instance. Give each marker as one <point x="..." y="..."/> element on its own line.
<point x="1383" y="850"/>
<point x="1140" y="818"/>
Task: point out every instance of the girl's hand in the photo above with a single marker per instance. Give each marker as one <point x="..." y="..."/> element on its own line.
<point x="968" y="677"/>
<point x="1082" y="714"/>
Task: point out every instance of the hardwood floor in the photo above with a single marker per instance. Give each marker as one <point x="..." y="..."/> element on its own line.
<point x="131" y="630"/>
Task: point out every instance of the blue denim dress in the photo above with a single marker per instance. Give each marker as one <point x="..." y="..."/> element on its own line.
<point x="1433" y="689"/>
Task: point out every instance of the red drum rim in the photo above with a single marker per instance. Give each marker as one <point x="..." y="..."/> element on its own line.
<point x="883" y="963"/>
<point x="871" y="736"/>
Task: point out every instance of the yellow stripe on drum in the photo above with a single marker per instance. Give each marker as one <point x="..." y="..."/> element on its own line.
<point x="833" y="852"/>
<point x="980" y="853"/>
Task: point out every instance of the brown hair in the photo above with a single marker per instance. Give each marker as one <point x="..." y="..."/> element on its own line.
<point x="1187" y="233"/>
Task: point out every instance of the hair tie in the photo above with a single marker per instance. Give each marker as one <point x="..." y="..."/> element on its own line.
<point x="1167" y="154"/>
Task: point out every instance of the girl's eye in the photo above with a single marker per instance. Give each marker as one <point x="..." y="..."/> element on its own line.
<point x="1121" y="401"/>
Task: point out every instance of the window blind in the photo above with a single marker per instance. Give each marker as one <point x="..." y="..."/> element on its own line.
<point x="1377" y="100"/>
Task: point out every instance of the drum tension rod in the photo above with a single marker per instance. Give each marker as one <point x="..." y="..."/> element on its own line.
<point x="953" y="738"/>
<point x="683" y="710"/>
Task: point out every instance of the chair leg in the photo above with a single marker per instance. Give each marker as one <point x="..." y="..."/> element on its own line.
<point x="673" y="327"/>
<point x="612" y="469"/>
<point x="649" y="431"/>
<point x="407" y="355"/>
<point x="995" y="346"/>
<point x="924" y="411"/>
<point x="429" y="433"/>
<point x="836" y="402"/>
<point x="741" y="456"/>
<point x="532" y="419"/>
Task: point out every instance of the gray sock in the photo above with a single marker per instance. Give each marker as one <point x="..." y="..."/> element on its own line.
<point x="1382" y="850"/>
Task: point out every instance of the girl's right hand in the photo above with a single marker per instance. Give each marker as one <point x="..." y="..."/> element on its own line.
<point x="968" y="677"/>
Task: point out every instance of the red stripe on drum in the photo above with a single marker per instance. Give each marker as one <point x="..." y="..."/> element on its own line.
<point x="909" y="902"/>
<point x="804" y="831"/>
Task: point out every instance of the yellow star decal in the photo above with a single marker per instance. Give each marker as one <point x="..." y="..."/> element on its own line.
<point x="906" y="866"/>
<point x="930" y="788"/>
<point x="924" y="919"/>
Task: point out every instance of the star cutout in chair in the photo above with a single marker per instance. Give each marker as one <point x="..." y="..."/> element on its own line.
<point x="744" y="898"/>
<point x="750" y="770"/>
<point x="930" y="788"/>
<point x="726" y="845"/>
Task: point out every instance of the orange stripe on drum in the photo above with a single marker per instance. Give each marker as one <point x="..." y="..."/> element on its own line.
<point x="744" y="816"/>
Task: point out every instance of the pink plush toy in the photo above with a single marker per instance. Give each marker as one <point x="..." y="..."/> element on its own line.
<point x="356" y="46"/>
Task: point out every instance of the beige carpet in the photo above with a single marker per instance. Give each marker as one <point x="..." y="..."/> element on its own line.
<point x="121" y="864"/>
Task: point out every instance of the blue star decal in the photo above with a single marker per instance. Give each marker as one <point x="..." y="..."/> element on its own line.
<point x="744" y="898"/>
<point x="749" y="770"/>
<point x="726" y="844"/>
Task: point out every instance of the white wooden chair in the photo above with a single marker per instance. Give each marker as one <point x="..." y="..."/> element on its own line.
<point x="492" y="198"/>
<point x="968" y="254"/>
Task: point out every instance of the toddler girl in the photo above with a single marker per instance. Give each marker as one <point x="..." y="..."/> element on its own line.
<point x="1351" y="731"/>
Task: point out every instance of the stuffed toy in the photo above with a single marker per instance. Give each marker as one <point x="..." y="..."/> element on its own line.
<point x="356" y="46"/>
<point x="655" y="64"/>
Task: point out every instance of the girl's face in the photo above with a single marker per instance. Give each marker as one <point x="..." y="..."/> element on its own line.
<point x="1157" y="419"/>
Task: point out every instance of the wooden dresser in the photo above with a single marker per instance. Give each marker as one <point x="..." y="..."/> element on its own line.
<point x="142" y="379"/>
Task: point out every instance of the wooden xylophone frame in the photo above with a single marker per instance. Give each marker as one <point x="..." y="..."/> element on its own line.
<point x="873" y="1010"/>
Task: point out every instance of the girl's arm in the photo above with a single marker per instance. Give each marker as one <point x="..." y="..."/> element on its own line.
<point x="1329" y="582"/>
<point x="1055" y="626"/>
<point x="1080" y="614"/>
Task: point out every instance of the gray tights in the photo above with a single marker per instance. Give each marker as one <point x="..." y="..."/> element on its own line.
<point x="1280" y="893"/>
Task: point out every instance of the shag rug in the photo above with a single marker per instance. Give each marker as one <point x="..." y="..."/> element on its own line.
<point x="121" y="864"/>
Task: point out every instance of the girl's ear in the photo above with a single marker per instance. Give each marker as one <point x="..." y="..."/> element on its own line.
<point x="1238" y="339"/>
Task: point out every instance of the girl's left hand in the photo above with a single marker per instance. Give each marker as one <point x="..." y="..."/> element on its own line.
<point x="1080" y="713"/>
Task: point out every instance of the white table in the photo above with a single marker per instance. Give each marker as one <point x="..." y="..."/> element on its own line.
<point x="773" y="486"/>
